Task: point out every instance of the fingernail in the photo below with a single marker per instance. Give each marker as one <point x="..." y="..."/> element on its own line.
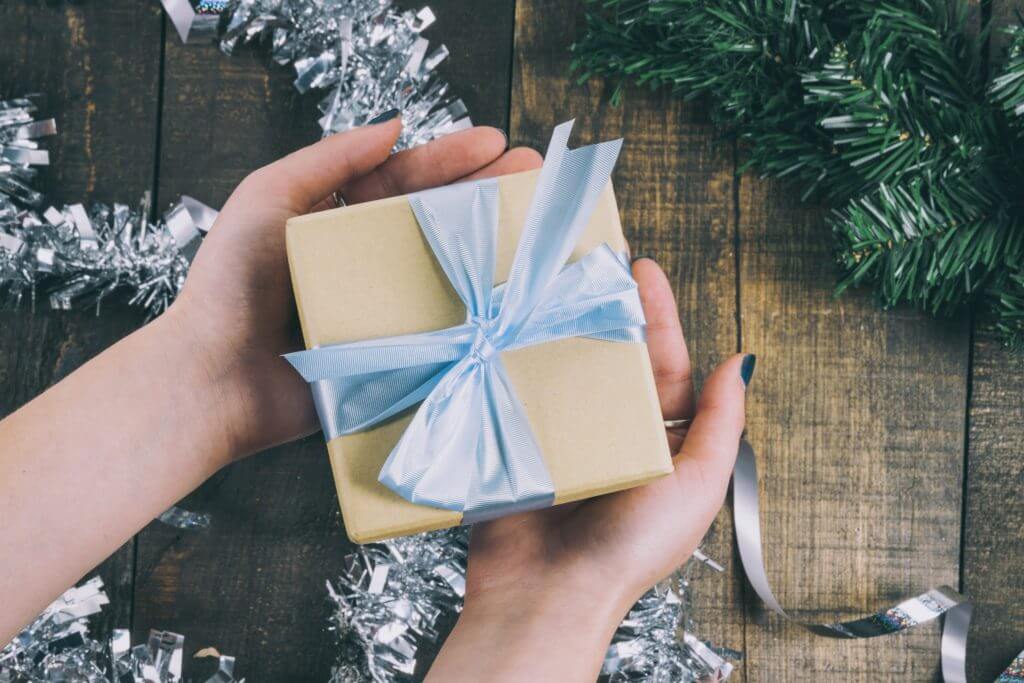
<point x="381" y="118"/>
<point x="641" y="256"/>
<point x="747" y="368"/>
<point x="505" y="135"/>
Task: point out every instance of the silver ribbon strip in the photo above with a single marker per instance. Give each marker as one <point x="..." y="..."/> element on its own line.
<point x="907" y="614"/>
<point x="181" y="14"/>
<point x="194" y="20"/>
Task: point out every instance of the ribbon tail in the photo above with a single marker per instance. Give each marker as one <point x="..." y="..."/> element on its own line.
<point x="469" y="448"/>
<point x="510" y="474"/>
<point x="385" y="353"/>
<point x="358" y="385"/>
<point x="429" y="464"/>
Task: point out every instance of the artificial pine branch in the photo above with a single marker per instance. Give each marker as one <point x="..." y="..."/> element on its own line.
<point x="877" y="107"/>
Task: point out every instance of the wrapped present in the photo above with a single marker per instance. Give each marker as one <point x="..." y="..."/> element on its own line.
<point x="477" y="349"/>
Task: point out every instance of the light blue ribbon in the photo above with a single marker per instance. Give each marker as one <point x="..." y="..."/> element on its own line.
<point x="469" y="446"/>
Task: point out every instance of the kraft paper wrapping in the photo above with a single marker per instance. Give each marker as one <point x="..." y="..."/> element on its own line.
<point x="366" y="271"/>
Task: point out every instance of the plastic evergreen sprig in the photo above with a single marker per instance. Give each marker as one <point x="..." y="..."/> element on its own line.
<point x="878" y="108"/>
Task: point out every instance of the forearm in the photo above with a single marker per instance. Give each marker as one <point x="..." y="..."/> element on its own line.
<point x="552" y="635"/>
<point x="88" y="463"/>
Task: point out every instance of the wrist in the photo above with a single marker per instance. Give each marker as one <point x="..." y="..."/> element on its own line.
<point x="213" y="398"/>
<point x="557" y="628"/>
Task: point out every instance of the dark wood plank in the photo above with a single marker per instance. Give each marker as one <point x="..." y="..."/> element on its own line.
<point x="102" y="91"/>
<point x="479" y="37"/>
<point x="253" y="584"/>
<point x="993" y="545"/>
<point x="674" y="185"/>
<point x="858" y="418"/>
<point x="994" y="515"/>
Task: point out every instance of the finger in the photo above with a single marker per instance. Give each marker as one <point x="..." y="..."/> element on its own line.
<point x="709" y="450"/>
<point x="438" y="162"/>
<point x="512" y="161"/>
<point x="300" y="180"/>
<point x="669" y="357"/>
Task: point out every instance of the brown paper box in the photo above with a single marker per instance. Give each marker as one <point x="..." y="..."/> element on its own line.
<point x="366" y="271"/>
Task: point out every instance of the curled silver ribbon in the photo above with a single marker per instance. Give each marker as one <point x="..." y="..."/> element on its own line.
<point x="907" y="614"/>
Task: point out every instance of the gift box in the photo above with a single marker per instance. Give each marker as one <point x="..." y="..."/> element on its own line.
<point x="372" y="280"/>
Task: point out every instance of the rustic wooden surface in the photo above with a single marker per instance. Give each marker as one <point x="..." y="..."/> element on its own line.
<point x="993" y="517"/>
<point x="890" y="444"/>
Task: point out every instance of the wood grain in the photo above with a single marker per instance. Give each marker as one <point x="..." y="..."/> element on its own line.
<point x="104" y="151"/>
<point x="253" y="584"/>
<point x="994" y="515"/>
<point x="857" y="415"/>
<point x="993" y="522"/>
<point x="674" y="185"/>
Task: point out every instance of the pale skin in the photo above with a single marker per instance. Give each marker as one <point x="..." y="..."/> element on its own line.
<point x="91" y="461"/>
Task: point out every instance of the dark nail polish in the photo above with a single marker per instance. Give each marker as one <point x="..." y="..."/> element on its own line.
<point x="641" y="256"/>
<point x="747" y="369"/>
<point x="381" y="118"/>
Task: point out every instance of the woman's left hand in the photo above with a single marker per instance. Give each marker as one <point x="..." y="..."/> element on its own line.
<point x="545" y="590"/>
<point x="95" y="458"/>
<point x="237" y="300"/>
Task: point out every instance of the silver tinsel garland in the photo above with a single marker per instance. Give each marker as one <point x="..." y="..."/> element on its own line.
<point x="19" y="151"/>
<point x="366" y="55"/>
<point x="58" y="648"/>
<point x="395" y="601"/>
<point x="76" y="256"/>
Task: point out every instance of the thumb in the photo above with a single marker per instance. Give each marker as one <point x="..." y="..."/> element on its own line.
<point x="297" y="182"/>
<point x="714" y="436"/>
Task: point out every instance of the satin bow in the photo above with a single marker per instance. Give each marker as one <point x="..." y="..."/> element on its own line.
<point x="469" y="446"/>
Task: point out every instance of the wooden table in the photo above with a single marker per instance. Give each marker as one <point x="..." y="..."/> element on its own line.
<point x="891" y="449"/>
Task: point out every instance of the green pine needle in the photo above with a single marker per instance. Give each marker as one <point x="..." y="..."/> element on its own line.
<point x="879" y="108"/>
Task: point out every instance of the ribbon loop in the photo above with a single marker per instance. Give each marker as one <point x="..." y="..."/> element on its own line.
<point x="469" y="446"/>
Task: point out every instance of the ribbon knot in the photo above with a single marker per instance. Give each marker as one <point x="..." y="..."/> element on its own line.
<point x="469" y="446"/>
<point x="482" y="350"/>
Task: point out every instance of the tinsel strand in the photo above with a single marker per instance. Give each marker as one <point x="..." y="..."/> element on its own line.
<point x="74" y="256"/>
<point x="19" y="151"/>
<point x="367" y="56"/>
<point x="58" y="648"/>
<point x="395" y="600"/>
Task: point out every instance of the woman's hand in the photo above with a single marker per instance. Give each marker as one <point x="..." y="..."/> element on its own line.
<point x="237" y="301"/>
<point x="546" y="590"/>
<point x="95" y="458"/>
